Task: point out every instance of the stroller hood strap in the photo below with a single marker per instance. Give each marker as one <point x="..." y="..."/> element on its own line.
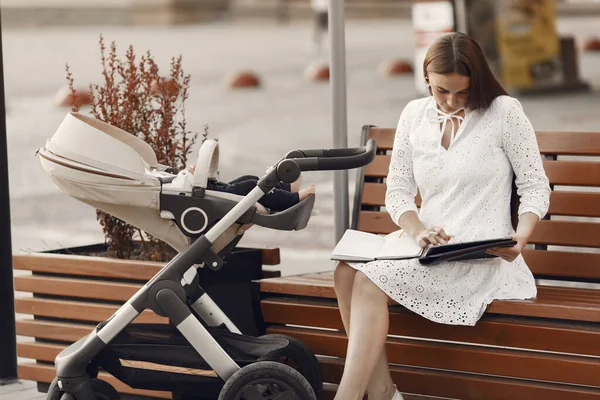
<point x="64" y="153"/>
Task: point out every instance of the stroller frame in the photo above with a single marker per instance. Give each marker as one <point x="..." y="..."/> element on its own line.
<point x="174" y="291"/>
<point x="166" y="295"/>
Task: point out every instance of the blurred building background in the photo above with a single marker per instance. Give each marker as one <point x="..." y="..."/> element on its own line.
<point x="289" y="108"/>
<point x="135" y="12"/>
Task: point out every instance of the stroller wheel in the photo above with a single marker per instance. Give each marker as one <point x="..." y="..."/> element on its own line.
<point x="298" y="356"/>
<point x="102" y="391"/>
<point x="267" y="380"/>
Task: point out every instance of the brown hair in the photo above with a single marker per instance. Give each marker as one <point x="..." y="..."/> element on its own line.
<point x="457" y="52"/>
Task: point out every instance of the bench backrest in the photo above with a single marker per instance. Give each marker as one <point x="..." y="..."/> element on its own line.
<point x="565" y="245"/>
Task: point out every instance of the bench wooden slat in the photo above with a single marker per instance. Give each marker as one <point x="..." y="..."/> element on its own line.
<point x="310" y="285"/>
<point x="576" y="292"/>
<point x="83" y="288"/>
<point x="566" y="233"/>
<point x="87" y="266"/>
<point x="39" y="351"/>
<point x="469" y="387"/>
<point x="552" y="263"/>
<point x="561" y="203"/>
<point x="574" y="204"/>
<point x="51" y="330"/>
<point x="549" y="142"/>
<point x="46" y="373"/>
<point x="572" y="293"/>
<point x="384" y="137"/>
<point x="76" y="310"/>
<point x="271" y="256"/>
<point x="47" y="352"/>
<point x="550" y="303"/>
<point x="551" y="232"/>
<point x="547" y="308"/>
<point x="490" y="330"/>
<point x="376" y="222"/>
<point x="373" y="194"/>
<point x="568" y="143"/>
<point x="543" y="307"/>
<point x="569" y="173"/>
<point x="105" y="267"/>
<point x="378" y="168"/>
<point x="569" y="296"/>
<point x="462" y="358"/>
<point x="573" y="173"/>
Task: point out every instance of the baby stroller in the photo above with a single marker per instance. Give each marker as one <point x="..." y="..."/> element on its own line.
<point x="116" y="172"/>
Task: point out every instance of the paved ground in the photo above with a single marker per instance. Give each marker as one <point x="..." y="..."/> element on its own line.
<point x="21" y="390"/>
<point x="254" y="127"/>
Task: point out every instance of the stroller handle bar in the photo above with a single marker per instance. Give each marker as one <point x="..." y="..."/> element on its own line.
<point x="333" y="159"/>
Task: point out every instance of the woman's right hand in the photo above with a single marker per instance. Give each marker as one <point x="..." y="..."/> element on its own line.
<point x="433" y="235"/>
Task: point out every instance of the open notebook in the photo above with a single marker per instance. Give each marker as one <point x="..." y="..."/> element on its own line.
<point x="363" y="246"/>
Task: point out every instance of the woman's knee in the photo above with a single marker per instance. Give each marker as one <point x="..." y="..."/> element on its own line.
<point x="343" y="274"/>
<point x="364" y="286"/>
<point x="343" y="278"/>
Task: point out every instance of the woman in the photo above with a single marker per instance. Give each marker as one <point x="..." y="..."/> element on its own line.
<point x="460" y="147"/>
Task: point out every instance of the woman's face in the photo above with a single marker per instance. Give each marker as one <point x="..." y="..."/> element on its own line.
<point x="450" y="91"/>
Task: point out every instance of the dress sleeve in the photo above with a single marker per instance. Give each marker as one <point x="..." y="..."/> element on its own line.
<point x="401" y="186"/>
<point x="521" y="147"/>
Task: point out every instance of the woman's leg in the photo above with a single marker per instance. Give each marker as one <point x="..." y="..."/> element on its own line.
<point x="343" y="280"/>
<point x="380" y="385"/>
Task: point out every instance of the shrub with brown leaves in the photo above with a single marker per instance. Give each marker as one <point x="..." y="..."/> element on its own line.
<point x="136" y="98"/>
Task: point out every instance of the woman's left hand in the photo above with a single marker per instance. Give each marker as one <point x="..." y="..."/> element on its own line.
<point x="509" y="253"/>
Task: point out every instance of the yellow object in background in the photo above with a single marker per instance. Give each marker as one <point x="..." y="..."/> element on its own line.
<point x="528" y="43"/>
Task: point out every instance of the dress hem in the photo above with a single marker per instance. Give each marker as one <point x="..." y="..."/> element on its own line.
<point x="472" y="322"/>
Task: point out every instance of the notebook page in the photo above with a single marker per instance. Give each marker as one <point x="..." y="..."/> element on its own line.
<point x="399" y="244"/>
<point x="357" y="245"/>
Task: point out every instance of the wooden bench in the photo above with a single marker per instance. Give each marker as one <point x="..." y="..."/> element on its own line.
<point x="65" y="296"/>
<point x="547" y="348"/>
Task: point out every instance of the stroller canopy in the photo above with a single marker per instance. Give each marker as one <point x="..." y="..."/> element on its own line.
<point x="118" y="173"/>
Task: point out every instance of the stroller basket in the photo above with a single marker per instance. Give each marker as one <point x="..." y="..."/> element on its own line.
<point x="165" y="355"/>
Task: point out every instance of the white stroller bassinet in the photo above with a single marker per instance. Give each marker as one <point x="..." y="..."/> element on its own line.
<point x="118" y="173"/>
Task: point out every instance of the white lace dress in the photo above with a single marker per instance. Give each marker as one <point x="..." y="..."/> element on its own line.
<point x="465" y="189"/>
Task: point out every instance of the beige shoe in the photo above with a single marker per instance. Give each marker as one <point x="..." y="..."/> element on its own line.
<point x="397" y="395"/>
